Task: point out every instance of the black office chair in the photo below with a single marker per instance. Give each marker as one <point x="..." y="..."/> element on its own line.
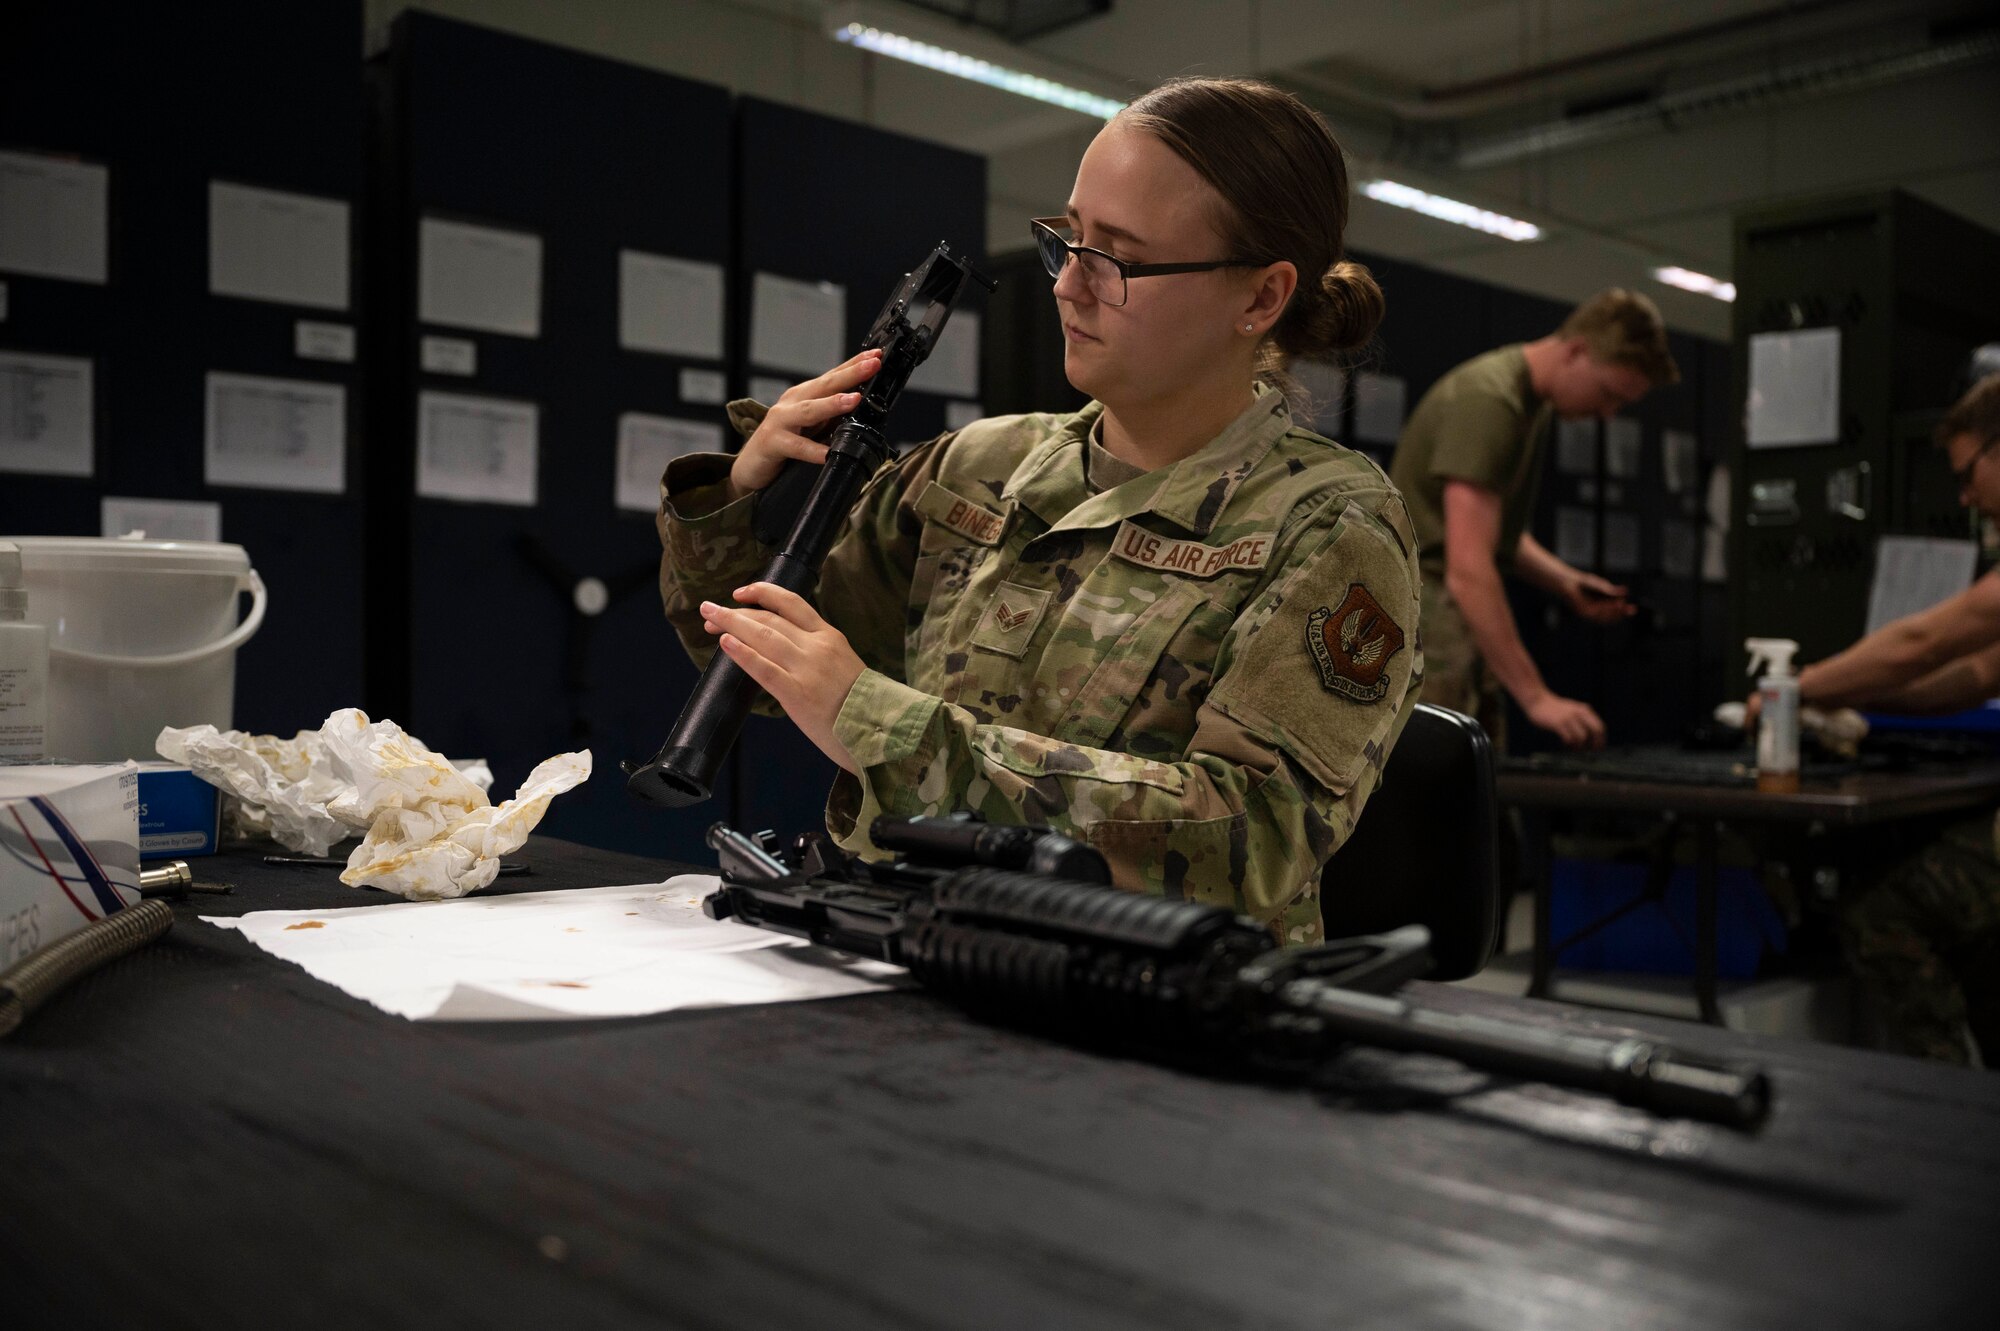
<point x="1427" y="849"/>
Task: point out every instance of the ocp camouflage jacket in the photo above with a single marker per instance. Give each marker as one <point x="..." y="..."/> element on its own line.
<point x="1200" y="671"/>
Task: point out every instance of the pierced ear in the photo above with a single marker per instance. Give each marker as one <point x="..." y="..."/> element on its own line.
<point x="1274" y="292"/>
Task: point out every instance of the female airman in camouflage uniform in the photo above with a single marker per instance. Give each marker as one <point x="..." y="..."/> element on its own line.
<point x="1175" y="624"/>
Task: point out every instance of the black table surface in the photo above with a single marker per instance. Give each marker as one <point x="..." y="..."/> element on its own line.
<point x="1854" y="799"/>
<point x="201" y="1135"/>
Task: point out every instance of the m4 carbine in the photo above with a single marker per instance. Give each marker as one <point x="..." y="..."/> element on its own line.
<point x="1020" y="926"/>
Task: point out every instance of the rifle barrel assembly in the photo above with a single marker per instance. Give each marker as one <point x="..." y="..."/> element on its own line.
<point x="1183" y="980"/>
<point x="800" y="514"/>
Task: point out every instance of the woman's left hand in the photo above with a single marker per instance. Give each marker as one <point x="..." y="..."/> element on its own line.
<point x="799" y="659"/>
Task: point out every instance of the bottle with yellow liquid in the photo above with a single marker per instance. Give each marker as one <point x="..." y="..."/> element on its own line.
<point x="1778" y="717"/>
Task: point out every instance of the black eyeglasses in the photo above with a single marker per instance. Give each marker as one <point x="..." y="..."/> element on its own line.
<point x="1962" y="476"/>
<point x="1105" y="276"/>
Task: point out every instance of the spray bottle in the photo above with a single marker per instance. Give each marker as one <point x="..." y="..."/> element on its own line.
<point x="1778" y="723"/>
<point x="24" y="668"/>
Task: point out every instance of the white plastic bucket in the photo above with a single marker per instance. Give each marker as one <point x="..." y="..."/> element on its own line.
<point x="142" y="634"/>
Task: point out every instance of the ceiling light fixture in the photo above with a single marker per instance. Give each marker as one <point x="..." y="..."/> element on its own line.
<point x="1699" y="283"/>
<point x="947" y="61"/>
<point x="1450" y="210"/>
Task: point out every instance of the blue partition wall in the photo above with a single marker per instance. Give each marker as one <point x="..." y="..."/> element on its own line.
<point x="826" y="200"/>
<point x="170" y="98"/>
<point x="481" y="641"/>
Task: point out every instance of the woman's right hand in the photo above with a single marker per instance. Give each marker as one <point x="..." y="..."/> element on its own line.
<point x="792" y="425"/>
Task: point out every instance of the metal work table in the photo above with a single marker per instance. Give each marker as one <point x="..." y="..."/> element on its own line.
<point x="203" y="1136"/>
<point x="1856" y="800"/>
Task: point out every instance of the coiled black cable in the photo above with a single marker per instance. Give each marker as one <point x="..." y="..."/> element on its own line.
<point x="38" y="978"/>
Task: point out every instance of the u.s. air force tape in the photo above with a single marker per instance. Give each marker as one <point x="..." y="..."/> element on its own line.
<point x="1136" y="545"/>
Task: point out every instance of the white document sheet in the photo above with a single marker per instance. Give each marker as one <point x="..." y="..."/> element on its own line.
<point x="1715" y="536"/>
<point x="265" y="244"/>
<point x="798" y="326"/>
<point x="952" y="368"/>
<point x="276" y="434"/>
<point x="313" y="339"/>
<point x="1576" y="537"/>
<point x="553" y="956"/>
<point x="669" y="305"/>
<point x="1680" y="461"/>
<point x="1794" y="388"/>
<point x="703" y="387"/>
<point x="1378" y="407"/>
<point x="52" y="217"/>
<point x="1576" y="447"/>
<point x="1623" y="446"/>
<point x="448" y="355"/>
<point x="160" y="519"/>
<point x="46" y="420"/>
<point x="481" y="449"/>
<point x="479" y="277"/>
<point x="1914" y="573"/>
<point x="646" y="444"/>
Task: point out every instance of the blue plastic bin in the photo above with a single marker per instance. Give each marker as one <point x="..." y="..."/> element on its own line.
<point x="1747" y="925"/>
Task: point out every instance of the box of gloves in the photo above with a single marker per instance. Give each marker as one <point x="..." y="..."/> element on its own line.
<point x="178" y="813"/>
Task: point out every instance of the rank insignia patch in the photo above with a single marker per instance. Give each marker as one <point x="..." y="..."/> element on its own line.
<point x="1008" y="618"/>
<point x="1352" y="645"/>
<point x="1008" y="625"/>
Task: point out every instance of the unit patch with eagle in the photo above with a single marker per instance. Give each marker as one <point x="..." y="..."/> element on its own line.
<point x="1353" y="644"/>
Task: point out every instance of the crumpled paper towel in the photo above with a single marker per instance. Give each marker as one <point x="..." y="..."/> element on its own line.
<point x="280" y="786"/>
<point x="430" y="831"/>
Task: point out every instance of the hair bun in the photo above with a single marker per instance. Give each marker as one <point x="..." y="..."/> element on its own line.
<point x="1339" y="317"/>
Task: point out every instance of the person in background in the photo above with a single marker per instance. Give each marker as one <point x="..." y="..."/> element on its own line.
<point x="1469" y="464"/>
<point x="1924" y="936"/>
<point x="1174" y="625"/>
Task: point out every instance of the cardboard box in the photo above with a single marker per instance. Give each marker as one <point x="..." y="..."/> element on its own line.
<point x="178" y="813"/>
<point x="69" y="851"/>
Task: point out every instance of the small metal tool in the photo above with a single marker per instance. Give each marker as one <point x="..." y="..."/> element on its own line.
<point x="173" y="879"/>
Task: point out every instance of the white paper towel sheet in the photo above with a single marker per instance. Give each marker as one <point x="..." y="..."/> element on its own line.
<point x="589" y="952"/>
